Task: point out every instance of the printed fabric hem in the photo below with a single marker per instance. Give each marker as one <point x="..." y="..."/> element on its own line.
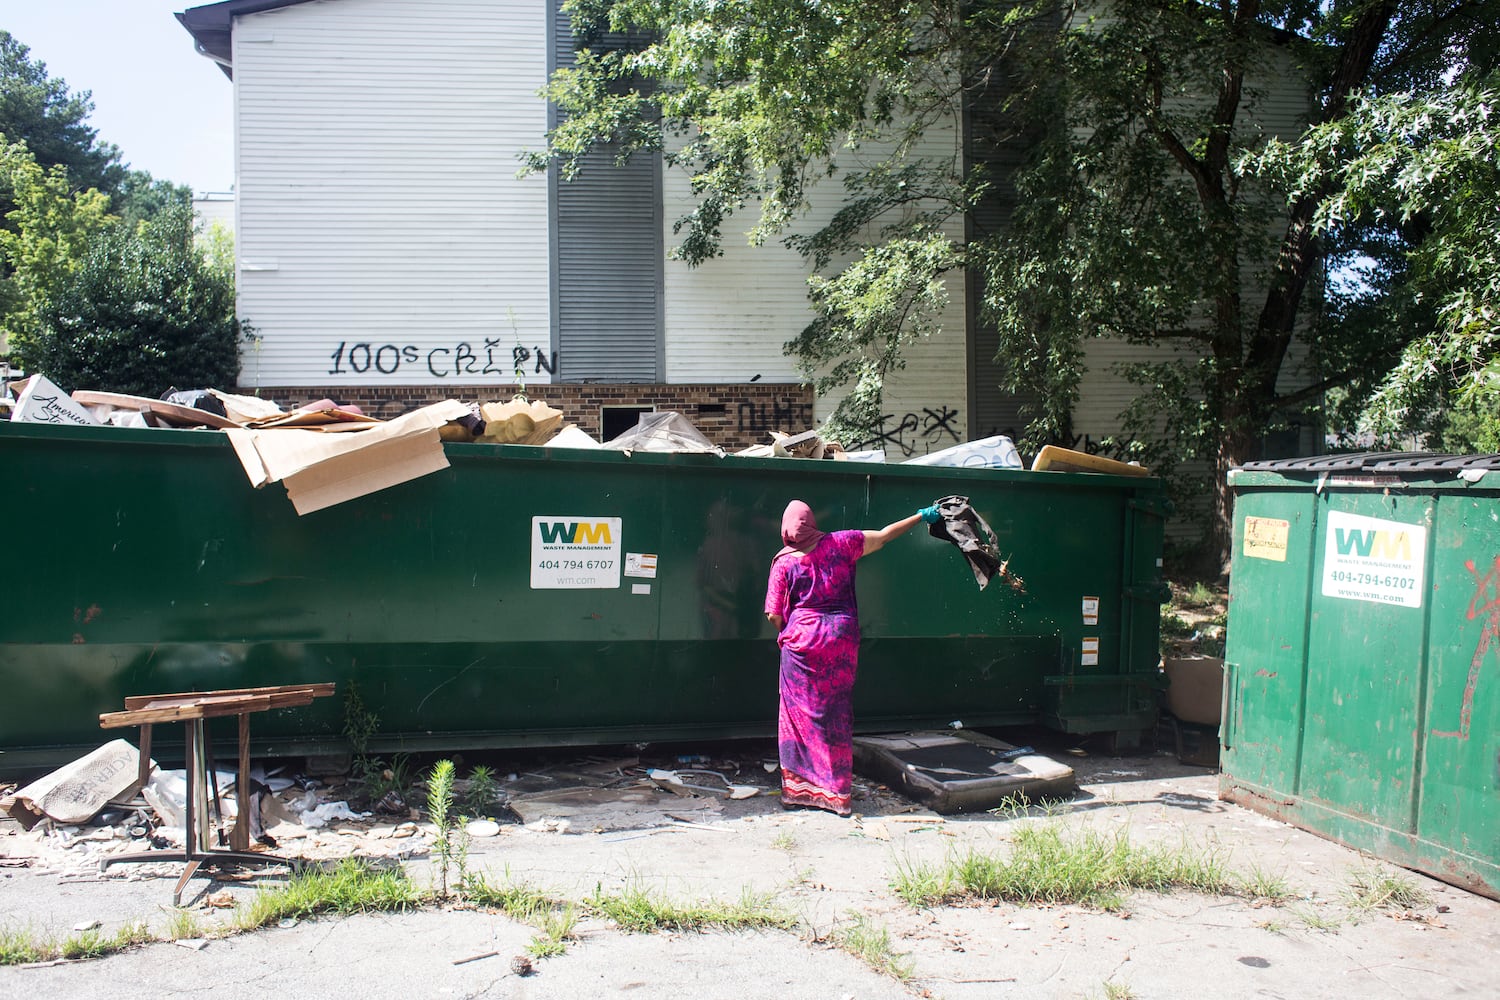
<point x="798" y="791"/>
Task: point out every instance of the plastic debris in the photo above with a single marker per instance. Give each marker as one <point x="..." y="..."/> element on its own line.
<point x="666" y="431"/>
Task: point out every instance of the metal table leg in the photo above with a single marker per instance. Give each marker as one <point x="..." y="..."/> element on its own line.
<point x="195" y="853"/>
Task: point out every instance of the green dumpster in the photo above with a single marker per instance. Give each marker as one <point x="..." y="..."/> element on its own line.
<point x="141" y="561"/>
<point x="1362" y="685"/>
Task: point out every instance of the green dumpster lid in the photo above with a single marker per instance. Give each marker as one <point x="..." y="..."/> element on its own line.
<point x="1378" y="461"/>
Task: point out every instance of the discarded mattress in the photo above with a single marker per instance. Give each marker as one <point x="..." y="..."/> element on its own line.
<point x="960" y="772"/>
<point x="997" y="452"/>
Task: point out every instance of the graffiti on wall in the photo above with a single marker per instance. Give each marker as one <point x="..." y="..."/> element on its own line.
<point x="459" y="360"/>
<point x="1486" y="603"/>
<point x="787" y="415"/>
<point x="1110" y="446"/>
<point x="929" y="430"/>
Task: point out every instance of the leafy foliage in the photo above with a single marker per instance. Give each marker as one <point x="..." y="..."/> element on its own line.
<point x="1422" y="167"/>
<point x="52" y="121"/>
<point x="144" y="312"/>
<point x="1133" y="217"/>
<point x="48" y="232"/>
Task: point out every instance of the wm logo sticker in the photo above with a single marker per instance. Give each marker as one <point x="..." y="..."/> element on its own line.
<point x="1374" y="559"/>
<point x="575" y="532"/>
<point x="1373" y="544"/>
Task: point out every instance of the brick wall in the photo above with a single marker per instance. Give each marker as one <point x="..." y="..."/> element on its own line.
<point x="733" y="416"/>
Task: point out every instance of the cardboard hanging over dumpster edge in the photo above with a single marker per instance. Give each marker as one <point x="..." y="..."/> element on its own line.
<point x="75" y="792"/>
<point x="320" y="470"/>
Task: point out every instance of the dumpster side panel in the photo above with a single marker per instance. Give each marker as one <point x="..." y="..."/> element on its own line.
<point x="1266" y="649"/>
<point x="1366" y="657"/>
<point x="144" y="563"/>
<point x="1460" y="800"/>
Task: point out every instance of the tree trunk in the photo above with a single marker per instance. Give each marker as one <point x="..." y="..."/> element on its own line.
<point x="1235" y="449"/>
<point x="1249" y="398"/>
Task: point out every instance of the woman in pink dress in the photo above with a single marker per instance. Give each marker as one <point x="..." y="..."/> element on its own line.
<point x="810" y="599"/>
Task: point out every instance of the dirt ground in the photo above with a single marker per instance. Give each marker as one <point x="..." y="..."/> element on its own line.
<point x="608" y="833"/>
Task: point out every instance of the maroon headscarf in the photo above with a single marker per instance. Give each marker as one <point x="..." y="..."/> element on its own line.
<point x="799" y="530"/>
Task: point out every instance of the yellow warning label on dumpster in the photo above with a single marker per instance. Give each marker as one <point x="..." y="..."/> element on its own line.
<point x="1265" y="538"/>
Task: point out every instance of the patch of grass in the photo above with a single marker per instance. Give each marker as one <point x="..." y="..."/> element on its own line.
<point x="1370" y="889"/>
<point x="1199" y="595"/>
<point x="23" y="945"/>
<point x="1260" y="884"/>
<point x="1118" y="991"/>
<point x="556" y="928"/>
<point x="182" y="924"/>
<point x="871" y="944"/>
<point x="1315" y="921"/>
<point x="515" y="899"/>
<point x="921" y="884"/>
<point x="85" y="944"/>
<point x="784" y="841"/>
<point x="1020" y="806"/>
<point x="351" y="887"/>
<point x="1045" y="867"/>
<point x="554" y="918"/>
<point x="640" y="911"/>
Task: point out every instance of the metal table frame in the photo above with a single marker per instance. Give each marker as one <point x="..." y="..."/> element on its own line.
<point x="194" y="709"/>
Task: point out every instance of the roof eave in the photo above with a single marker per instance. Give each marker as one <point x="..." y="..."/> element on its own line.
<point x="212" y="27"/>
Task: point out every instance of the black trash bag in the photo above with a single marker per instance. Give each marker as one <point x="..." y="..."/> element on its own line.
<point x="198" y="399"/>
<point x="961" y="524"/>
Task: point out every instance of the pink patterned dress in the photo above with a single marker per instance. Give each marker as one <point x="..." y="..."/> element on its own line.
<point x="814" y="595"/>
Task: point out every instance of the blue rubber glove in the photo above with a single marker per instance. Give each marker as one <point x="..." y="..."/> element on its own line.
<point x="930" y="515"/>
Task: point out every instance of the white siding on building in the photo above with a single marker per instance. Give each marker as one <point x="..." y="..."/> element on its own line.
<point x="728" y="319"/>
<point x="214" y="207"/>
<point x="376" y="153"/>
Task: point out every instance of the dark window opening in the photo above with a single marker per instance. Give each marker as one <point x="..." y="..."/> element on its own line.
<point x="616" y="420"/>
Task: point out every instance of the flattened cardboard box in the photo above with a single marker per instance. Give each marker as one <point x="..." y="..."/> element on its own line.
<point x="321" y="470"/>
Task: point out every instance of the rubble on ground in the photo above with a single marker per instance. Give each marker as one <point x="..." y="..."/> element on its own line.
<point x="305" y="817"/>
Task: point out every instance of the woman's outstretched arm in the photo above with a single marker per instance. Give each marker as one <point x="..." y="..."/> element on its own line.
<point x="876" y="540"/>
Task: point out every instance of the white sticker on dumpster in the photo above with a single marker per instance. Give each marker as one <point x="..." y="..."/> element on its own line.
<point x="1371" y="559"/>
<point x="575" y="553"/>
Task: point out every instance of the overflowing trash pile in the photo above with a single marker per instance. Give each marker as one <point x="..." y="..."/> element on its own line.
<point x="351" y="454"/>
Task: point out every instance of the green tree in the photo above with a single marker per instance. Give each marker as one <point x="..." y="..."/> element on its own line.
<point x="147" y="310"/>
<point x="48" y="232"/>
<point x="141" y="197"/>
<point x="1134" y="219"/>
<point x="1421" y="167"/>
<point x="53" y="121"/>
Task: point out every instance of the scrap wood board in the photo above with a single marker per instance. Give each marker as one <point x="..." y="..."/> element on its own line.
<point x="180" y="416"/>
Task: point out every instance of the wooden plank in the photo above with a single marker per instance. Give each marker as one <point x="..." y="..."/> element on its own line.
<point x="181" y="713"/>
<point x="170" y="413"/>
<point x="319" y="690"/>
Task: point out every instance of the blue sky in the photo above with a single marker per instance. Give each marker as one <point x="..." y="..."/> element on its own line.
<point x="166" y="107"/>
